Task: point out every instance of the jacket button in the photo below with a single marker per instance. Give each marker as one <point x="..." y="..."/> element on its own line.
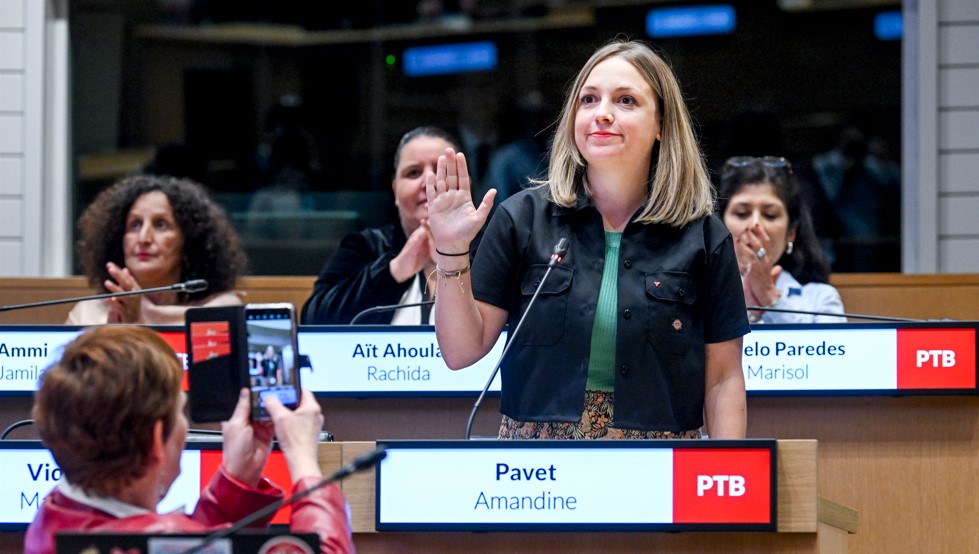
<point x="627" y="313"/>
<point x="537" y="284"/>
<point x="624" y="369"/>
<point x="681" y="292"/>
<point x="597" y="265"/>
<point x="627" y="264"/>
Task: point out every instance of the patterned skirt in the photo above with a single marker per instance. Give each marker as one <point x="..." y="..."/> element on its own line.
<point x="596" y="423"/>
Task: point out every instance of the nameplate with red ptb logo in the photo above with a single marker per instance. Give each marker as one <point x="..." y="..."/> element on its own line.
<point x="894" y="358"/>
<point x="778" y="360"/>
<point x="629" y="485"/>
<point x="30" y="472"/>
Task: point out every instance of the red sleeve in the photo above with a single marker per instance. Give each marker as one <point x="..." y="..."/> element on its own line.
<point x="226" y="500"/>
<point x="323" y="512"/>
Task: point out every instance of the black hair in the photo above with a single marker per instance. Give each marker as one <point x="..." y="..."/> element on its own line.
<point x="807" y="262"/>
<point x="424" y="131"/>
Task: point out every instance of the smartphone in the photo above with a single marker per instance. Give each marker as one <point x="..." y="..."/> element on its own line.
<point x="216" y="365"/>
<point x="272" y="356"/>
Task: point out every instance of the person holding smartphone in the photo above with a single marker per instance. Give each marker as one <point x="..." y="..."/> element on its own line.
<point x="116" y="469"/>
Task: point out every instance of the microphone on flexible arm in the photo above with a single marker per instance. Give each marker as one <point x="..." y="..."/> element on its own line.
<point x="849" y="316"/>
<point x="362" y="462"/>
<point x="194" y="285"/>
<point x="556" y="256"/>
<point x="388" y="308"/>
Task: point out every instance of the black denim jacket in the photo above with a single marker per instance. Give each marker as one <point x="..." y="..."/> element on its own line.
<point x="356" y="278"/>
<point x="678" y="289"/>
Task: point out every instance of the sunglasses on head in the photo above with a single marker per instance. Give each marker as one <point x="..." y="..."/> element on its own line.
<point x="774" y="162"/>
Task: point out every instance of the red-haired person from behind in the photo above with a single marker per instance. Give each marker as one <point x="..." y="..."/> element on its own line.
<point x="112" y="413"/>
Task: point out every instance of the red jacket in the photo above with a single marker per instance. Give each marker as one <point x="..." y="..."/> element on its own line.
<point x="224" y="501"/>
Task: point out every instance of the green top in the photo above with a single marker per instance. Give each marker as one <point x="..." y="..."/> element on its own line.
<point x="601" y="363"/>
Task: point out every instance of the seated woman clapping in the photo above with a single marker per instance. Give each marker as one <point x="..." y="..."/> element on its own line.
<point x="781" y="262"/>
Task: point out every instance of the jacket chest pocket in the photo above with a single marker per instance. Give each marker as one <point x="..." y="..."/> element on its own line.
<point x="670" y="303"/>
<point x="545" y="321"/>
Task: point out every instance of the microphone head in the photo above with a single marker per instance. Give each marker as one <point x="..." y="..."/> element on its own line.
<point x="561" y="247"/>
<point x="194" y="285"/>
<point x="559" y="250"/>
<point x="369" y="459"/>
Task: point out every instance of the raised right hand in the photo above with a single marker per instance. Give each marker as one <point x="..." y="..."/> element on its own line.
<point x="454" y="219"/>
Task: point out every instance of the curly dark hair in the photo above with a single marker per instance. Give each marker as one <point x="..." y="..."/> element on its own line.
<point x="212" y="250"/>
<point x="807" y="262"/>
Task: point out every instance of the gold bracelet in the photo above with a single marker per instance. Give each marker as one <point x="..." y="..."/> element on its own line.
<point x="457" y="274"/>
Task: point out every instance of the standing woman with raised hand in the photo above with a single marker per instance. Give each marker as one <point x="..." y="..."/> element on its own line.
<point x="638" y="333"/>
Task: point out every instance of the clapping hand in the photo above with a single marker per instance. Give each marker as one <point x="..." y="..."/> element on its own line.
<point x="417" y="254"/>
<point x="123" y="309"/>
<point x="756" y="261"/>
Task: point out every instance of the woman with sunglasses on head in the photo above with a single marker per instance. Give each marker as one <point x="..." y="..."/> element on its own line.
<point x="637" y="333"/>
<point x="782" y="264"/>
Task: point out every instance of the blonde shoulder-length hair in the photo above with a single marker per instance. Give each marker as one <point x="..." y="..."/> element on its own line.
<point x="679" y="189"/>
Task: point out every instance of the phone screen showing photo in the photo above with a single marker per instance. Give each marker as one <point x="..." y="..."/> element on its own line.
<point x="272" y="358"/>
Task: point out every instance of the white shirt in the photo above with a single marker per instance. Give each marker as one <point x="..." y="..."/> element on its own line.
<point x="813" y="297"/>
<point x="107" y="504"/>
<point x="413" y="315"/>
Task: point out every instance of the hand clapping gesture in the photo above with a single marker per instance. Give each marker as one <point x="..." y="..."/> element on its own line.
<point x="756" y="260"/>
<point x="123" y="309"/>
<point x="418" y="254"/>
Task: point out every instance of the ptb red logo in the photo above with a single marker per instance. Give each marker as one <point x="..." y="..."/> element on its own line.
<point x="722" y="485"/>
<point x="936" y="358"/>
<point x="716" y="484"/>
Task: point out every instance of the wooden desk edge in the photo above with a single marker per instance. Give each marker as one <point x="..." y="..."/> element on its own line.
<point x="838" y="515"/>
<point x="797" y="482"/>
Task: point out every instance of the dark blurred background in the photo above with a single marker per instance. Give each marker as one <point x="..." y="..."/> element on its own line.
<point x="290" y="110"/>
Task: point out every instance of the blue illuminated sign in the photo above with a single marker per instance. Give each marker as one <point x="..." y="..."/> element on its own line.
<point x="449" y="58"/>
<point x="889" y="25"/>
<point x="689" y="21"/>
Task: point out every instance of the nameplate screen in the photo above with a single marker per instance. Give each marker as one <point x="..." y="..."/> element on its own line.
<point x="861" y="358"/>
<point x="30" y="473"/>
<point x="576" y="485"/>
<point x="377" y="361"/>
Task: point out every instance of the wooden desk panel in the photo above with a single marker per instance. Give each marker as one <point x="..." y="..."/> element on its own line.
<point x="908" y="465"/>
<point x="953" y="296"/>
<point x="936" y="296"/>
<point x="797" y="512"/>
<point x="16" y="290"/>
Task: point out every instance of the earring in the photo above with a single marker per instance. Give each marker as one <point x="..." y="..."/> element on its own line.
<point x="788" y="250"/>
